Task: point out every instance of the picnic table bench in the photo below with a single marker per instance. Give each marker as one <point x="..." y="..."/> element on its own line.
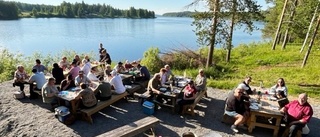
<point x="134" y="128"/>
<point x="189" y="109"/>
<point x="86" y="113"/>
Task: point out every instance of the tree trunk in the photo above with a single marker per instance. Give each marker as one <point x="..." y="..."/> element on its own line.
<point x="279" y="25"/>
<point x="229" y="44"/>
<point x="279" y="38"/>
<point x="213" y="33"/>
<point x="293" y="10"/>
<point x="310" y="26"/>
<point x="311" y="43"/>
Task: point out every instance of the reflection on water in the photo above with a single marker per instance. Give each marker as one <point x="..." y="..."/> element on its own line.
<point x="123" y="38"/>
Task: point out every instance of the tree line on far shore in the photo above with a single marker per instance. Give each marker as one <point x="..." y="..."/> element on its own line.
<point x="14" y="10"/>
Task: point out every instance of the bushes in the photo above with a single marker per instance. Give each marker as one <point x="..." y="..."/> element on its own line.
<point x="152" y="60"/>
<point x="8" y="65"/>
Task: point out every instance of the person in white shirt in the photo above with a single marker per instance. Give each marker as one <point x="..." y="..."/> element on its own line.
<point x="81" y="78"/>
<point x="116" y="83"/>
<point x="39" y="79"/>
<point x="86" y="67"/>
<point x="92" y="75"/>
<point x="119" y="68"/>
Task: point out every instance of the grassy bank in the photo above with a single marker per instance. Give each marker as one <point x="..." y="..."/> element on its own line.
<point x="262" y="63"/>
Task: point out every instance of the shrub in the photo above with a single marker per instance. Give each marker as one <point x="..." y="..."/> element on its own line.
<point x="152" y="60"/>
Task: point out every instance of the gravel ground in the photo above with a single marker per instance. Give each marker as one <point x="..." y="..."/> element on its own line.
<point x="32" y="118"/>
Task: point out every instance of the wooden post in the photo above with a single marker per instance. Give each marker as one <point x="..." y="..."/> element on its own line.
<point x="311" y="43"/>
<point x="279" y="25"/>
<point x="285" y="40"/>
<point x="309" y="29"/>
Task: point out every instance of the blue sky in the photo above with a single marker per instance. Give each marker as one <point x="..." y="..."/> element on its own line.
<point x="159" y="6"/>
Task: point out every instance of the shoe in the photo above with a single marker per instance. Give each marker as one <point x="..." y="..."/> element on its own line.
<point x="243" y="127"/>
<point x="234" y="128"/>
<point x="14" y="84"/>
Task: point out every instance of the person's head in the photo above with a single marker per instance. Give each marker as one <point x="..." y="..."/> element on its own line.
<point x="80" y="73"/>
<point x="201" y="72"/>
<point x="76" y="57"/>
<point x="83" y="86"/>
<point x="87" y="58"/>
<point x="74" y="64"/>
<point x="248" y="79"/>
<point x="281" y="82"/>
<point x="55" y="65"/>
<point x="93" y="69"/>
<point x="101" y="45"/>
<point x="157" y="76"/>
<point x="191" y="83"/>
<point x="303" y="98"/>
<point x="163" y="70"/>
<point x="108" y="67"/>
<point x="139" y="66"/>
<point x="101" y="79"/>
<point x="127" y="62"/>
<point x="51" y="81"/>
<point x="64" y="58"/>
<point x="20" y="68"/>
<point x="120" y="63"/>
<point x="69" y="77"/>
<point x="113" y="73"/>
<point x="238" y="92"/>
<point x="38" y="62"/>
<point x="34" y="70"/>
<point x="167" y="67"/>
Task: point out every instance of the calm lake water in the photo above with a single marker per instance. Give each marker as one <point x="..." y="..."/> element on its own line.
<point x="123" y="38"/>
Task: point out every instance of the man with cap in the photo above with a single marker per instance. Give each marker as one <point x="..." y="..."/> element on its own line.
<point x="81" y="78"/>
<point x="116" y="83"/>
<point x="39" y="67"/>
<point x="119" y="68"/>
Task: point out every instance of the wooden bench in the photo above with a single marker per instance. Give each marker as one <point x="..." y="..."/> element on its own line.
<point x="143" y="97"/>
<point x="134" y="128"/>
<point x="86" y="113"/>
<point x="189" y="109"/>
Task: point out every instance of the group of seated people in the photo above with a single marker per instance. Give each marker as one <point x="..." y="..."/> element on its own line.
<point x="297" y="113"/>
<point x="188" y="93"/>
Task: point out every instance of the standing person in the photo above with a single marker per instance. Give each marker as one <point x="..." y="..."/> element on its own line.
<point x="101" y="49"/>
<point x="297" y="114"/>
<point x="116" y="83"/>
<point x="246" y="86"/>
<point x="64" y="64"/>
<point x="189" y="95"/>
<point x="163" y="75"/>
<point x="236" y="108"/>
<point x="49" y="92"/>
<point x="81" y="78"/>
<point x="20" y="77"/>
<point x="103" y="90"/>
<point x="74" y="71"/>
<point x="39" y="79"/>
<point x="68" y="83"/>
<point x="144" y="73"/>
<point x="57" y="73"/>
<point x="201" y="81"/>
<point x="280" y="90"/>
<point x="169" y="72"/>
<point x="39" y="67"/>
<point x="105" y="57"/>
<point x="86" y="97"/>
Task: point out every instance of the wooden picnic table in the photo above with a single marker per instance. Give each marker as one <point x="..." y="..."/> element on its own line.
<point x="268" y="109"/>
<point x="170" y="94"/>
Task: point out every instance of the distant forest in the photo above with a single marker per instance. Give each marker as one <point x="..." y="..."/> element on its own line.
<point x="191" y="14"/>
<point x="15" y="10"/>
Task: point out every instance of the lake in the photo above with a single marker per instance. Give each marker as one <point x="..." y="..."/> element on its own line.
<point x="123" y="38"/>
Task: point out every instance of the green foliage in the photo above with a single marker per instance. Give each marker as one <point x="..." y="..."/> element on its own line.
<point x="152" y="60"/>
<point x="179" y="14"/>
<point x="79" y="10"/>
<point x="8" y="65"/>
<point x="8" y="10"/>
<point x="301" y="20"/>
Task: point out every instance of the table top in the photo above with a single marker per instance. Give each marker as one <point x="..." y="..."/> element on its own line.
<point x="67" y="95"/>
<point x="267" y="107"/>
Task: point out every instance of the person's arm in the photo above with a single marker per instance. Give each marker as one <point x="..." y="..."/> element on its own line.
<point x="49" y="93"/>
<point x="79" y="95"/>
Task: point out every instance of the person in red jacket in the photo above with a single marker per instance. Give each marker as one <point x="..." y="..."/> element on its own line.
<point x="297" y="114"/>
